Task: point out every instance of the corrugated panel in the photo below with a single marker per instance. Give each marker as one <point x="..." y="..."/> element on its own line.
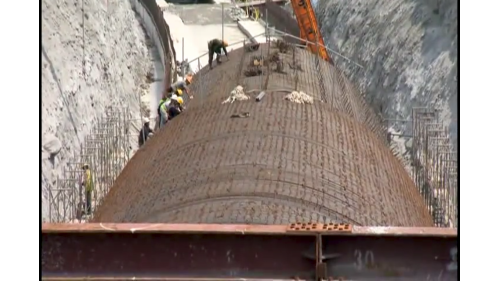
<point x="285" y="163"/>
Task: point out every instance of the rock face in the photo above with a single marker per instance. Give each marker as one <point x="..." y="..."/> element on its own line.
<point x="51" y="145"/>
<point x="408" y="50"/>
<point x="84" y="75"/>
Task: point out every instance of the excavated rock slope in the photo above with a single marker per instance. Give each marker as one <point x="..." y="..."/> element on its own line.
<point x="116" y="63"/>
<point x="408" y="49"/>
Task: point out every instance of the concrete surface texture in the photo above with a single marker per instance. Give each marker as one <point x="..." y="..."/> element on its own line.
<point x="267" y="162"/>
<point x="254" y="30"/>
<point x="198" y="24"/>
<point x="116" y="63"/>
<point x="408" y="49"/>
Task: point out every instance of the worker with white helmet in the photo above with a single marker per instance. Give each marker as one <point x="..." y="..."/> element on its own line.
<point x="216" y="46"/>
<point x="145" y="132"/>
<point x="175" y="107"/>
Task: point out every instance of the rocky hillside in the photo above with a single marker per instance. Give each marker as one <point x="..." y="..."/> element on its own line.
<point x="408" y="49"/>
<point x="76" y="94"/>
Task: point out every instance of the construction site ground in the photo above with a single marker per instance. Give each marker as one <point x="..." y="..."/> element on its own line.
<point x="199" y="23"/>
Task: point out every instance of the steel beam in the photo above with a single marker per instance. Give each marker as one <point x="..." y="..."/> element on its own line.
<point x="253" y="252"/>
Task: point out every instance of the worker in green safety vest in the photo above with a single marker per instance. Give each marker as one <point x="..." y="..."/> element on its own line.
<point x="162" y="109"/>
<point x="88" y="185"/>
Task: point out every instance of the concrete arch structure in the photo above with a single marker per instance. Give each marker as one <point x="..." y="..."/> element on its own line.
<point x="286" y="162"/>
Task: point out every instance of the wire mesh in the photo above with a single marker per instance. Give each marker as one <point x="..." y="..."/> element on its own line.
<point x="435" y="166"/>
<point x="431" y="160"/>
<point x="328" y="86"/>
<point x="276" y="67"/>
<point x="284" y="158"/>
<point x="334" y="88"/>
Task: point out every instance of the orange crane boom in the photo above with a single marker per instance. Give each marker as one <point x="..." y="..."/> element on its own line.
<point x="309" y="29"/>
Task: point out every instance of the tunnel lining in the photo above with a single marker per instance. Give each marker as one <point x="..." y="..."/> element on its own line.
<point x="362" y="163"/>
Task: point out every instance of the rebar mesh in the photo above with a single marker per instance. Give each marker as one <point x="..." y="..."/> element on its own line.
<point x="435" y="166"/>
<point x="106" y="150"/>
<point x="320" y="162"/>
<point x="297" y="67"/>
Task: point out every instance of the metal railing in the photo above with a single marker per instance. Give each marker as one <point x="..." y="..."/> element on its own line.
<point x="273" y="33"/>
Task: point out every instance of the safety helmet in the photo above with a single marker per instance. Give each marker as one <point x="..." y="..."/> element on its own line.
<point x="146" y="120"/>
<point x="224" y="42"/>
<point x="180" y="100"/>
<point x="179" y="91"/>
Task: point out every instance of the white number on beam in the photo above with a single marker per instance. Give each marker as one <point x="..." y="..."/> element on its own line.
<point x="363" y="259"/>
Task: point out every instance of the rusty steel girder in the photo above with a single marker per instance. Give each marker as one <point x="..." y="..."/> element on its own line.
<point x="253" y="252"/>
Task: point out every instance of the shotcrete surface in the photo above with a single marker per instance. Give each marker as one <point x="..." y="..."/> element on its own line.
<point x="408" y="49"/>
<point x="116" y="63"/>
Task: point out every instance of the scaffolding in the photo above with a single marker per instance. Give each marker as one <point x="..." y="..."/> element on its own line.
<point x="106" y="150"/>
<point x="435" y="166"/>
<point x="432" y="162"/>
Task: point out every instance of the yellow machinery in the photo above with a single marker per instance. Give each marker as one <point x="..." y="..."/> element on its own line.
<point x="309" y="29"/>
<point x="252" y="12"/>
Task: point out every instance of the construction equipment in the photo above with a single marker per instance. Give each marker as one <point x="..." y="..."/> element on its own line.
<point x="309" y="29"/>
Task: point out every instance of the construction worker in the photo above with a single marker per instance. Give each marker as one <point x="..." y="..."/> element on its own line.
<point x="179" y="87"/>
<point x="175" y="107"/>
<point x="163" y="109"/>
<point x="216" y="46"/>
<point x="88" y="185"/>
<point x="145" y="132"/>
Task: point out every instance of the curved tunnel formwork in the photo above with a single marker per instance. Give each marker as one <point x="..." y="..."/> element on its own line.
<point x="286" y="162"/>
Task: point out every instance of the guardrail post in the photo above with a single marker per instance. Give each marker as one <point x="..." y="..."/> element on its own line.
<point x="182" y="67"/>
<point x="222" y="21"/>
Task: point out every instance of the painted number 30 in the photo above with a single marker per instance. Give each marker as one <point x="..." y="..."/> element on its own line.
<point x="363" y="259"/>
